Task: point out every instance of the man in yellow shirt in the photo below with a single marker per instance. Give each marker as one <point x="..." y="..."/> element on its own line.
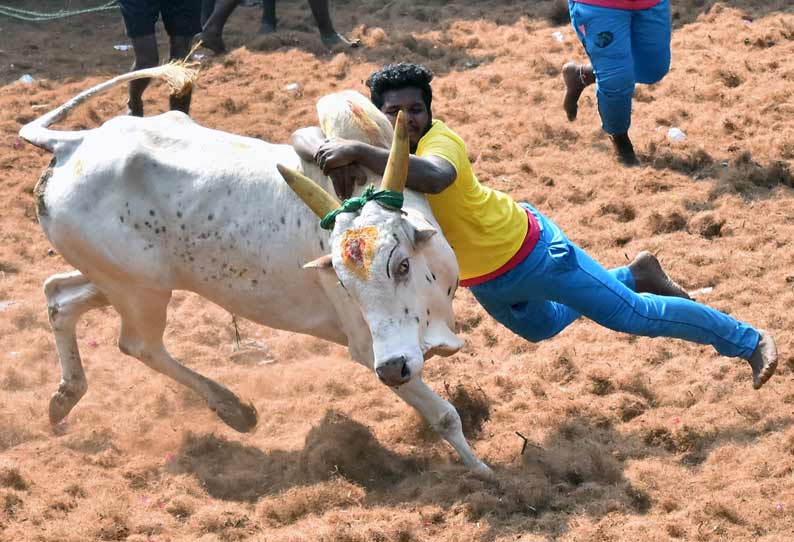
<point x="518" y="263"/>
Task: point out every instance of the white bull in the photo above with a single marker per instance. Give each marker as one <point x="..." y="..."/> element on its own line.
<point x="145" y="206"/>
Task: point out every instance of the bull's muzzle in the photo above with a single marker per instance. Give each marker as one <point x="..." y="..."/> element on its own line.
<point x="394" y="372"/>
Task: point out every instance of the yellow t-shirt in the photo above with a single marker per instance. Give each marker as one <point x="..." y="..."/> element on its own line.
<point x="485" y="227"/>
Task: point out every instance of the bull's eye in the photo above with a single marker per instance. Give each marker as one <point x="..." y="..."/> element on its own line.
<point x="403" y="268"/>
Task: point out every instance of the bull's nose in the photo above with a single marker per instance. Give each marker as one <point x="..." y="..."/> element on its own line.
<point x="394" y="371"/>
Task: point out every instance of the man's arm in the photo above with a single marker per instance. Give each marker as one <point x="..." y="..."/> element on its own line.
<point x="307" y="141"/>
<point x="429" y="174"/>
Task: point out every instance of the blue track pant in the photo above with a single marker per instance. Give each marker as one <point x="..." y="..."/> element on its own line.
<point x="557" y="282"/>
<point x="625" y="47"/>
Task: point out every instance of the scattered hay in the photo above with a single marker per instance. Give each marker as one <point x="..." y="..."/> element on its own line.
<point x="473" y="406"/>
<point x="694" y="160"/>
<point x="12" y="432"/>
<point x="75" y="490"/>
<point x="229" y="470"/>
<point x="622" y="211"/>
<point x="141" y="478"/>
<point x="636" y="384"/>
<point x="111" y="520"/>
<point x="744" y="176"/>
<point x="729" y="78"/>
<point x="557" y="12"/>
<point x="579" y="487"/>
<point x="344" y="447"/>
<point x="631" y="407"/>
<point x="722" y="510"/>
<point x="92" y="443"/>
<point x="600" y="382"/>
<point x="227" y="524"/>
<point x="11" y="477"/>
<point x="339" y="66"/>
<point x="297" y="503"/>
<point x="666" y="223"/>
<point x="11" y="504"/>
<point x="13" y="380"/>
<point x="560" y="369"/>
<point x="707" y="225"/>
<point x="181" y="508"/>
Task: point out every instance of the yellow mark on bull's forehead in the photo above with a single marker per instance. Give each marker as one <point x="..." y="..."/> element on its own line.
<point x="78" y="168"/>
<point x="358" y="250"/>
<point x="365" y="122"/>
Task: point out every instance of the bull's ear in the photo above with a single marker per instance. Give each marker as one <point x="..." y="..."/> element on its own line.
<point x="323" y="262"/>
<point x="419" y="230"/>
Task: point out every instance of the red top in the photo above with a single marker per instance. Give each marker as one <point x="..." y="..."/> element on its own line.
<point x="530" y="240"/>
<point x="621" y="4"/>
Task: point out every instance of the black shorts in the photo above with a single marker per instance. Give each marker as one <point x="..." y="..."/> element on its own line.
<point x="180" y="17"/>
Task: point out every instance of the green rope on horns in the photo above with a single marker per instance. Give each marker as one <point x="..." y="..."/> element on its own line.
<point x="386" y="198"/>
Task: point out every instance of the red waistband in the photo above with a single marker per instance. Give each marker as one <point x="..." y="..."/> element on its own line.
<point x="531" y="239"/>
<point x="621" y="4"/>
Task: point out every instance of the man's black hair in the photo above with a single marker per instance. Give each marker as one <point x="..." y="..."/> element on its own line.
<point x="398" y="76"/>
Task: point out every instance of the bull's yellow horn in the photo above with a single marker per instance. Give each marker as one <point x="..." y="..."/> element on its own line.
<point x="396" y="173"/>
<point x="312" y="194"/>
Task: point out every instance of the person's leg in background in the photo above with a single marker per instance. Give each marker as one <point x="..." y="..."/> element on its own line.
<point x="269" y="19"/>
<point x="180" y="47"/>
<point x="322" y="16"/>
<point x="182" y="20"/>
<point x="650" y="43"/>
<point x="212" y="31"/>
<point x="606" y="36"/>
<point x="207" y="7"/>
<point x="139" y="18"/>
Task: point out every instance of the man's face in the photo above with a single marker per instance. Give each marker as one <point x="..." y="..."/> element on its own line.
<point x="409" y="101"/>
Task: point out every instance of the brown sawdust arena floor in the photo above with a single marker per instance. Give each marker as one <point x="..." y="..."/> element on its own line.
<point x="628" y="438"/>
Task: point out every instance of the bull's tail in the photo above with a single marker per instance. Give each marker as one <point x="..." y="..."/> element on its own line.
<point x="178" y="76"/>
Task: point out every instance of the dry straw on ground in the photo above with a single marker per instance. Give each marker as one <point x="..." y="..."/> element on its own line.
<point x="626" y="438"/>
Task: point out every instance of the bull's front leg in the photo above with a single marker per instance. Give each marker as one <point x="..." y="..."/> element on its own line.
<point x="444" y="419"/>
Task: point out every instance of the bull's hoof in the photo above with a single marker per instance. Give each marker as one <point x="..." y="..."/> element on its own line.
<point x="481" y="470"/>
<point x="243" y="418"/>
<point x="63" y="401"/>
<point x="239" y="416"/>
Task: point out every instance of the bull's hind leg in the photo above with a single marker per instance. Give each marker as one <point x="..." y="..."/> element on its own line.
<point x="143" y="317"/>
<point x="69" y="296"/>
<point x="444" y="419"/>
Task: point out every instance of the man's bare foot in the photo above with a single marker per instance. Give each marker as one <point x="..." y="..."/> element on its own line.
<point x="212" y="41"/>
<point x="335" y="41"/>
<point x="575" y="77"/>
<point x="650" y="277"/>
<point x="763" y="359"/>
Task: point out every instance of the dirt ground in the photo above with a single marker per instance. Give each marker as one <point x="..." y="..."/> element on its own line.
<point x="627" y="438"/>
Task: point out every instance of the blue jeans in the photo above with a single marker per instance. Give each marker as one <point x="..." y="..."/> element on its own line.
<point x="624" y="46"/>
<point x="557" y="282"/>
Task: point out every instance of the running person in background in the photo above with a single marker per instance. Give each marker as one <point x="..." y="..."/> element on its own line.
<point x="215" y="13"/>
<point x="182" y="20"/>
<point x="628" y="42"/>
<point x="518" y="263"/>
